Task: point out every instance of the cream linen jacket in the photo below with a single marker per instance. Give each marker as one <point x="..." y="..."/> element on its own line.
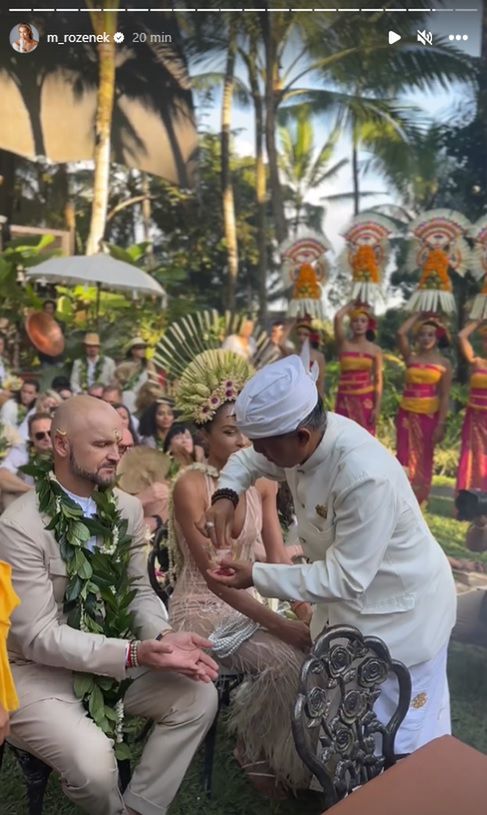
<point x="374" y="562"/>
<point x="43" y="649"/>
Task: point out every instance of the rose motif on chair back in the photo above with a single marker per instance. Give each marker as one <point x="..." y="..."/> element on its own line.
<point x="334" y="724"/>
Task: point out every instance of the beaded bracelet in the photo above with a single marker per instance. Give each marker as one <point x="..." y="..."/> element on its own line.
<point x="133" y="656"/>
<point x="225" y="494"/>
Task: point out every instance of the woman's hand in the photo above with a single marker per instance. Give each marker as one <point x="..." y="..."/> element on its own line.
<point x="4" y="724"/>
<point x="294" y="633"/>
<point x="217" y="523"/>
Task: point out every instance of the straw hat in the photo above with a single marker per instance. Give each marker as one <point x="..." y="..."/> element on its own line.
<point x="92" y="339"/>
<point x="135" y="342"/>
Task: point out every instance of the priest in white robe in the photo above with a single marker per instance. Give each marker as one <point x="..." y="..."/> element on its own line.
<point x="373" y="562"/>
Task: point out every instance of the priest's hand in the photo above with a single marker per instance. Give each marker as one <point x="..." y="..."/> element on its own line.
<point x="4" y="724"/>
<point x="238" y="574"/>
<point x="182" y="653"/>
<point x="217" y="523"/>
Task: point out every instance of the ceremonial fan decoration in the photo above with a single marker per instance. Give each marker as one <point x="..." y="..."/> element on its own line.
<point x="305" y="268"/>
<point x="366" y="254"/>
<point x="203" y="331"/>
<point x="439" y="247"/>
<point x="478" y="268"/>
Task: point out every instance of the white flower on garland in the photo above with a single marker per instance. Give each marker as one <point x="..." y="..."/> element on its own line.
<point x="119" y="710"/>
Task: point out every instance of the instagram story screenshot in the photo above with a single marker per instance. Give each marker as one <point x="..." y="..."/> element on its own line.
<point x="243" y="407"/>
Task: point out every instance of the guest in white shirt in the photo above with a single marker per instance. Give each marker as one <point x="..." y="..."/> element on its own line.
<point x="12" y="481"/>
<point x="374" y="563"/>
<point x="242" y="343"/>
<point x="14" y="410"/>
<point x="4" y="366"/>
<point x="94" y="367"/>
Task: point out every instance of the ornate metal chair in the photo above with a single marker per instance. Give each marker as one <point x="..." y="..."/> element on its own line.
<point x="336" y="731"/>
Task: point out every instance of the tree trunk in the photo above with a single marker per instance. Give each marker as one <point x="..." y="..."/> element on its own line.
<point x="260" y="179"/>
<point x="229" y="221"/>
<point x="102" y="21"/>
<point x="7" y="184"/>
<point x="271" y="103"/>
<point x="355" y="174"/>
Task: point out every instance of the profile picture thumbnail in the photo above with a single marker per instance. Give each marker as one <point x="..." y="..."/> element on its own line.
<point x="24" y="38"/>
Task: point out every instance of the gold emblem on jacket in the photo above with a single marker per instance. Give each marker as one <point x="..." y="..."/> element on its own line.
<point x="419" y="700"/>
<point x="321" y="511"/>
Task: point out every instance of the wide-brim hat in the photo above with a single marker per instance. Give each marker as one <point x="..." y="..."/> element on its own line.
<point x="91" y="339"/>
<point x="135" y="342"/>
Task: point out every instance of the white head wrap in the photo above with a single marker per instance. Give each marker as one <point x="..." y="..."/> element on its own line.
<point x="276" y="399"/>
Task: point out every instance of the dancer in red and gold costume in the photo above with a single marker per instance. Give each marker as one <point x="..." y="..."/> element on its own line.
<point x="360" y="386"/>
<point x="424" y="406"/>
<point x="472" y="470"/>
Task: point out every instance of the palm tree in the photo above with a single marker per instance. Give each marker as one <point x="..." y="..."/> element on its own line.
<point x="101" y="22"/>
<point x="302" y="168"/>
<point x="228" y="202"/>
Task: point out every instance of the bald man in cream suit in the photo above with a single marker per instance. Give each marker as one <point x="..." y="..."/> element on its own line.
<point x="374" y="563"/>
<point x="173" y="686"/>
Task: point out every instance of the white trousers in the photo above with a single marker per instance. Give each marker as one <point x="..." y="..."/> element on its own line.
<point x="428" y="716"/>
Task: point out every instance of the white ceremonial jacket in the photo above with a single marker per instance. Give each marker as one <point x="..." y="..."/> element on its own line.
<point x="374" y="562"/>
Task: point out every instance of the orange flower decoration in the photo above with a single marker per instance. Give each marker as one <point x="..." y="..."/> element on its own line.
<point x="307" y="286"/>
<point x="364" y="264"/>
<point x="484" y="287"/>
<point x="435" y="271"/>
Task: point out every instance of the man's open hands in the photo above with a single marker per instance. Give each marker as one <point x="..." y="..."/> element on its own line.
<point x="180" y="652"/>
<point x="4" y="724"/>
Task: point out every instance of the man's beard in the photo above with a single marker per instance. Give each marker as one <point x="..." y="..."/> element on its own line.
<point x="93" y="478"/>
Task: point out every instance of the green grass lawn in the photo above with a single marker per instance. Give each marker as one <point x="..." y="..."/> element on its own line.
<point x="232" y="794"/>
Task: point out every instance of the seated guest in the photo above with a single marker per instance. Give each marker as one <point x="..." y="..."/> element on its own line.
<point x="149" y="393"/>
<point x="261" y="643"/>
<point x="12" y="481"/>
<point x="8" y="695"/>
<point x="155" y="424"/>
<point x="96" y="390"/>
<point x="135" y="371"/>
<point x="242" y="343"/>
<point x="15" y="409"/>
<point x="59" y="654"/>
<point x="45" y="403"/>
<point x="92" y="367"/>
<point x="112" y="394"/>
<point x="180" y="446"/>
<point x="129" y="421"/>
<point x="62" y="386"/>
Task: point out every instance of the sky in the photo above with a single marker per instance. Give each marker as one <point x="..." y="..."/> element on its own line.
<point x="438" y="103"/>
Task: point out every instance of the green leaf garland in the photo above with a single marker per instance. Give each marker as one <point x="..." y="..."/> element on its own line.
<point x="98" y="593"/>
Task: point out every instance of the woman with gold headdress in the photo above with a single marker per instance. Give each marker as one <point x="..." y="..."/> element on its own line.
<point x="472" y="469"/>
<point x="248" y="637"/>
<point x="421" y="418"/>
<point x="360" y="385"/>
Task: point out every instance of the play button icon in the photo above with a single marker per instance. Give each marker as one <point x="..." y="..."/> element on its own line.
<point x="393" y="37"/>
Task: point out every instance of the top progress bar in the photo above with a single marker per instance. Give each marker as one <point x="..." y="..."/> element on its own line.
<point x="240" y="10"/>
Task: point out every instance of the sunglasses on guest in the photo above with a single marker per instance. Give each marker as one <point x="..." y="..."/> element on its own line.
<point x="41" y="434"/>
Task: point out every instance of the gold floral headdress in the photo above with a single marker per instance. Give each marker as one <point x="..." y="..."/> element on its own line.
<point x="212" y="379"/>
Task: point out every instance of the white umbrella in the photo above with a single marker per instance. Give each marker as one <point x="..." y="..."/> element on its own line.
<point x="101" y="271"/>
